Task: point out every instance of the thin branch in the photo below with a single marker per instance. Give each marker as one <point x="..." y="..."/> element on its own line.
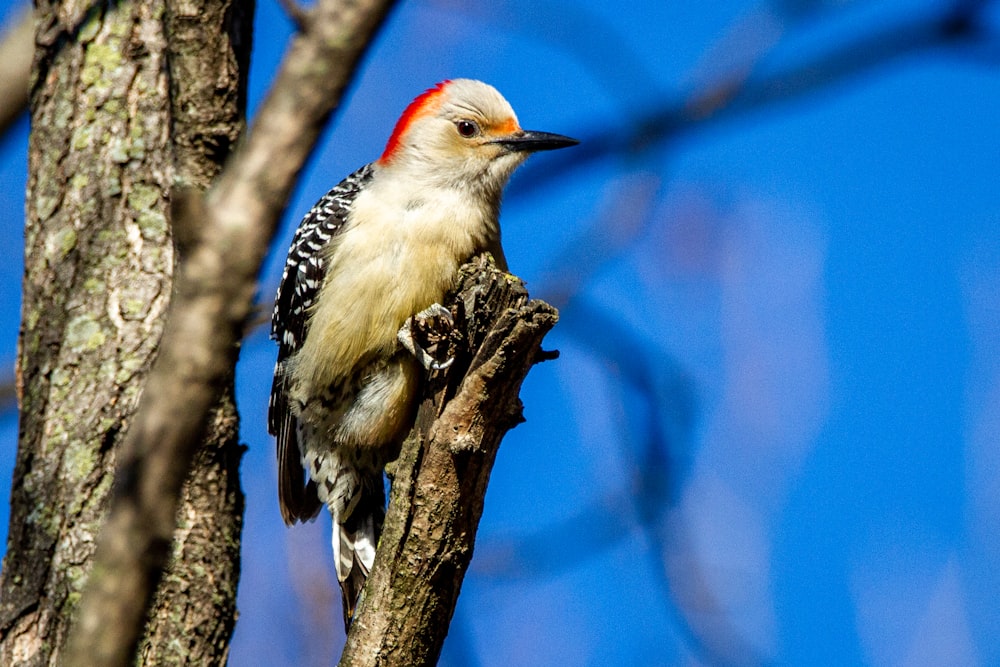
<point x="560" y="24"/>
<point x="298" y="14"/>
<point x="8" y="392"/>
<point x="214" y="291"/>
<point x="964" y="24"/>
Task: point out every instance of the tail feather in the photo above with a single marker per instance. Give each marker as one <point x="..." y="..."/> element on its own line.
<point x="350" y="595"/>
<point x="351" y="486"/>
<point x="355" y="537"/>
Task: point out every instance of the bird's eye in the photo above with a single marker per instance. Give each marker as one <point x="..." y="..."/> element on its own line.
<point x="467" y="128"/>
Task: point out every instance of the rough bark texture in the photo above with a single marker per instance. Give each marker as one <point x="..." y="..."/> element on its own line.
<point x="109" y="130"/>
<point x="440" y="478"/>
<point x="225" y="236"/>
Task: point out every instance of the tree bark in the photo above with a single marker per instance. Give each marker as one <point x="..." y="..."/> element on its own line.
<point x="440" y="478"/>
<point x="115" y="122"/>
<point x="223" y="236"/>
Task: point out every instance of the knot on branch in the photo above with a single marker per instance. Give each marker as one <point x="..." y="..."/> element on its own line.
<point x="493" y="323"/>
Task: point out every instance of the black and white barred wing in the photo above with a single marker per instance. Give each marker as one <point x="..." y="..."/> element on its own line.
<point x="301" y="281"/>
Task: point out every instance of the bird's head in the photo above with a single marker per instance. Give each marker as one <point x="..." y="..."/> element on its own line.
<point x="463" y="132"/>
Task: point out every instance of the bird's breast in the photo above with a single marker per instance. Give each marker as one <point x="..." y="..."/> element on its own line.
<point x="396" y="256"/>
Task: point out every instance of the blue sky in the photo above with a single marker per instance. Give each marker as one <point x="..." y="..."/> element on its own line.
<point x="770" y="438"/>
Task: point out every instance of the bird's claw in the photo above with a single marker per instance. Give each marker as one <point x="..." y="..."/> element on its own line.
<point x="434" y="323"/>
<point x="441" y="365"/>
<point x="436" y="310"/>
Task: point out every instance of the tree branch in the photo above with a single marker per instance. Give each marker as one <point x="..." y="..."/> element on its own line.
<point x="15" y="69"/>
<point x="440" y="478"/>
<point x="213" y="298"/>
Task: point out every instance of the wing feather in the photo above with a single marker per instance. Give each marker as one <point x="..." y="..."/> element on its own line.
<point x="300" y="284"/>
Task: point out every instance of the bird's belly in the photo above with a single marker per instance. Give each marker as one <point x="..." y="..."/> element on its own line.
<point x="373" y="408"/>
<point x="381" y="411"/>
<point x="365" y="303"/>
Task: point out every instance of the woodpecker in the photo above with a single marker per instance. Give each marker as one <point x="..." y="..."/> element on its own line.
<point x="380" y="247"/>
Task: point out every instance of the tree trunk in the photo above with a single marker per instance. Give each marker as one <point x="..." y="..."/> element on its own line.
<point x="124" y="106"/>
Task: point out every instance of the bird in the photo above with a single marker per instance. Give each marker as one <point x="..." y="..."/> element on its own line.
<point x="383" y="245"/>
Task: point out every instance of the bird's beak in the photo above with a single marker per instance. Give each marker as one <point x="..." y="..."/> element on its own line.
<point x="530" y="141"/>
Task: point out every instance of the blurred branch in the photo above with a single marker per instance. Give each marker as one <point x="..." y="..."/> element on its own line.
<point x="560" y="24"/>
<point x="962" y="24"/>
<point x="592" y="529"/>
<point x="298" y="14"/>
<point x="628" y="211"/>
<point x="621" y="219"/>
<point x="8" y="393"/>
<point x="17" y="47"/>
<point x="646" y="496"/>
<point x="728" y="63"/>
<point x="653" y="446"/>
<point x="230" y="231"/>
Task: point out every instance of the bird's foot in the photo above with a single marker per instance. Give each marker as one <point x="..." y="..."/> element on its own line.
<point x="425" y="333"/>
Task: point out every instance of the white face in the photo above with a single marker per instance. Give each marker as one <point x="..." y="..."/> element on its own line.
<point x="457" y="143"/>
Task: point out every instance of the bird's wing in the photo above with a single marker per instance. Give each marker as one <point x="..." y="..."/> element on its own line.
<point x="300" y="284"/>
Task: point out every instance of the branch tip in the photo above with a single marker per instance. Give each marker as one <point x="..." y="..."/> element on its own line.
<point x="297" y="14"/>
<point x="546" y="355"/>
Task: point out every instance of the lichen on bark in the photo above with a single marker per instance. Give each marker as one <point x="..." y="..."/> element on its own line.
<point x="99" y="261"/>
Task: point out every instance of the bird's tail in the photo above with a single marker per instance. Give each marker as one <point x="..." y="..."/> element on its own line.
<point x="349" y="482"/>
<point x="358" y="513"/>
